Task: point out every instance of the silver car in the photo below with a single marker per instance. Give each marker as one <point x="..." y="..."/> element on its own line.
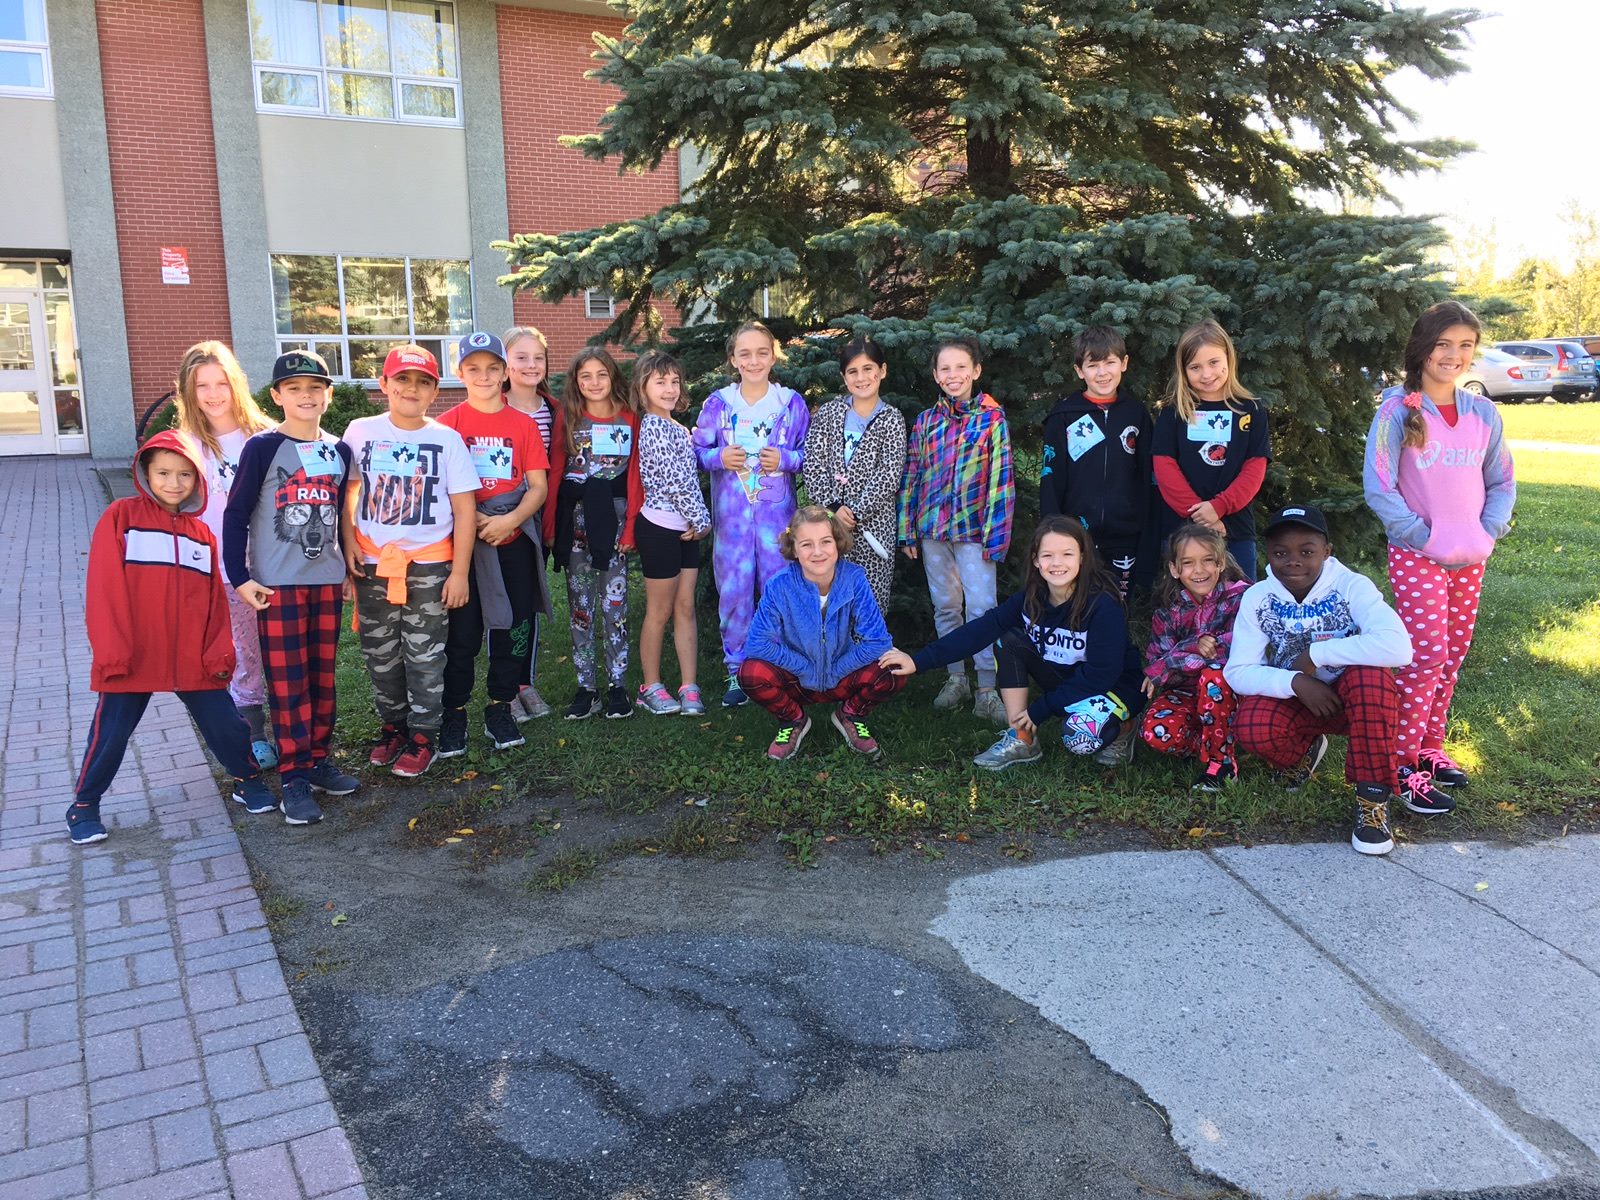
<point x="1502" y="376"/>
<point x="1571" y="369"/>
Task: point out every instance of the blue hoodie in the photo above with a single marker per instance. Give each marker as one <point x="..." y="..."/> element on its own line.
<point x="789" y="630"/>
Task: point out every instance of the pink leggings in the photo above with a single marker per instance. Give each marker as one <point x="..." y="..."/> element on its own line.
<point x="1440" y="609"/>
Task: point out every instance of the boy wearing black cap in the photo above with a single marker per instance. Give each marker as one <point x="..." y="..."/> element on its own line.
<point x="1313" y="650"/>
<point x="507" y="583"/>
<point x="280" y="548"/>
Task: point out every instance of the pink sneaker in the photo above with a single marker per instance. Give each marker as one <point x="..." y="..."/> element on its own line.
<point x="857" y="736"/>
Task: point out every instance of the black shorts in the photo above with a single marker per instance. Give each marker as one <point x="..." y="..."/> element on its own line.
<point x="663" y="552"/>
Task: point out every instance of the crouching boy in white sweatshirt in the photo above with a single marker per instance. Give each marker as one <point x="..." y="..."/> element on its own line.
<point x="1313" y="649"/>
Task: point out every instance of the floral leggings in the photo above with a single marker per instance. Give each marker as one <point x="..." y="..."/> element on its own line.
<point x="597" y="596"/>
<point x="1195" y="723"/>
<point x="1439" y="608"/>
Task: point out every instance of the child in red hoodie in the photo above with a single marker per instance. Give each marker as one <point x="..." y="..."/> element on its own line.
<point x="158" y="622"/>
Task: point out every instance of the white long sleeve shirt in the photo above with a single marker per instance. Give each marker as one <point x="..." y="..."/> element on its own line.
<point x="1343" y="622"/>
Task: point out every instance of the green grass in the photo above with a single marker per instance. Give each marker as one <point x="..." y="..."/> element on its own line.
<point x="1525" y="720"/>
<point x="1574" y="423"/>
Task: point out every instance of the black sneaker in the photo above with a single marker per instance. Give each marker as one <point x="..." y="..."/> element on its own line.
<point x="1420" y="792"/>
<point x="1292" y="779"/>
<point x="255" y="795"/>
<point x="1371" y="834"/>
<point x="298" y="806"/>
<point x="1215" y="775"/>
<point x="452" y="741"/>
<point x="1445" y="770"/>
<point x="325" y="777"/>
<point x="584" y="705"/>
<point x="501" y="727"/>
<point x="618" y="704"/>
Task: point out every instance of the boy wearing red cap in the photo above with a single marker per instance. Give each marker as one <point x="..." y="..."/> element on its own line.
<point x="280" y="545"/>
<point x="409" y="526"/>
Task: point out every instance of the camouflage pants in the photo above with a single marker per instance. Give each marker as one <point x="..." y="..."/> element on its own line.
<point x="403" y="646"/>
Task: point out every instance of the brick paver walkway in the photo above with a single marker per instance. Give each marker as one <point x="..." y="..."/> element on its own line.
<point x="148" y="1044"/>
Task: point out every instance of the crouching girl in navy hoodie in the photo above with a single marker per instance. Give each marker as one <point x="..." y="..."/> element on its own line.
<point x="816" y="638"/>
<point x="1066" y="631"/>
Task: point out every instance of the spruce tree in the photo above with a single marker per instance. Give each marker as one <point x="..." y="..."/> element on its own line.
<point x="1018" y="170"/>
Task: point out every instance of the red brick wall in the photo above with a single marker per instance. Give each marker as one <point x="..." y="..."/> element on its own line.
<point x="553" y="189"/>
<point x="164" y="179"/>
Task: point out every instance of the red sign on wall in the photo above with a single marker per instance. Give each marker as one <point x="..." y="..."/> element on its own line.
<point x="175" y="264"/>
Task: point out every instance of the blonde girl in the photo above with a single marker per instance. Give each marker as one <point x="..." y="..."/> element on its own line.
<point x="218" y="413"/>
<point x="527" y="389"/>
<point x="1210" y="443"/>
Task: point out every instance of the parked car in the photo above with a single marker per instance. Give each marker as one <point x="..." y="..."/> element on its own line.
<point x="1504" y="377"/>
<point x="1571" y="368"/>
<point x="1589" y="341"/>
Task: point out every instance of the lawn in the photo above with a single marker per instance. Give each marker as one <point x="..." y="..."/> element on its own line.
<point x="1573" y="423"/>
<point x="1526" y="722"/>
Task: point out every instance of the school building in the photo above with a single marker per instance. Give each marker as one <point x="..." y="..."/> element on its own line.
<point x="277" y="174"/>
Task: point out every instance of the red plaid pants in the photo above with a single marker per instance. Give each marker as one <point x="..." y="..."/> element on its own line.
<point x="299" y="646"/>
<point x="1281" y="731"/>
<point x="780" y="693"/>
<point x="1194" y="723"/>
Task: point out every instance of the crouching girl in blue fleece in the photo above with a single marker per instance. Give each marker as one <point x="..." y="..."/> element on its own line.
<point x="816" y="638"/>
<point x="1066" y="632"/>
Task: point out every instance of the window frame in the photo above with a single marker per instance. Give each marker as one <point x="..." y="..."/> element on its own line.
<point x="397" y="80"/>
<point x="47" y="90"/>
<point x="447" y="367"/>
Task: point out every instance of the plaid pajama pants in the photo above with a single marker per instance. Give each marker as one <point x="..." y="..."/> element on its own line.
<point x="780" y="693"/>
<point x="299" y="645"/>
<point x="1194" y="723"/>
<point x="1281" y="731"/>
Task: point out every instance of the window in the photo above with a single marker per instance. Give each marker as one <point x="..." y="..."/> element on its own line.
<point x="353" y="311"/>
<point x="381" y="60"/>
<point x="598" y="305"/>
<point x="24" y="49"/>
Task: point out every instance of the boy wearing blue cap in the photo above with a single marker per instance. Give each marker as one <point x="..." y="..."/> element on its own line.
<point x="507" y="580"/>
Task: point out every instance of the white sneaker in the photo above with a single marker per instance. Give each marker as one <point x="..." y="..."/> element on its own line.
<point x="957" y="690"/>
<point x="989" y="707"/>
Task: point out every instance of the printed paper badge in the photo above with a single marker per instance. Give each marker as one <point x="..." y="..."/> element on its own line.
<point x="1211" y="427"/>
<point x="394" y="458"/>
<point x="317" y="458"/>
<point x="1083" y="435"/>
<point x="492" y="461"/>
<point x="611" y="441"/>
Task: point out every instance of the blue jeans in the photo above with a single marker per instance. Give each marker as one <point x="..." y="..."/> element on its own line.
<point x="1244" y="553"/>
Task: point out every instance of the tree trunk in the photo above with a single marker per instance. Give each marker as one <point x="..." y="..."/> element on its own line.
<point x="988" y="163"/>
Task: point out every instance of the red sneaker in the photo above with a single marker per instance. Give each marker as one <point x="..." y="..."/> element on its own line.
<point x="787" y="744"/>
<point x="388" y="745"/>
<point x="418" y="757"/>
<point x="856" y="735"/>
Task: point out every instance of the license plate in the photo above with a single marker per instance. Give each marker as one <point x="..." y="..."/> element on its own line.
<point x="1536" y="372"/>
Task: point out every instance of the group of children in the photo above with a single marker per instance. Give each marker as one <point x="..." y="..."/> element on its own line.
<point x="439" y="531"/>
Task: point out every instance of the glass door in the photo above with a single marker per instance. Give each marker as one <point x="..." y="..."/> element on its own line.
<point x="27" y="407"/>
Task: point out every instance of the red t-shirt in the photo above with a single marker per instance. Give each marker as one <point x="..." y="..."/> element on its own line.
<point x="504" y="445"/>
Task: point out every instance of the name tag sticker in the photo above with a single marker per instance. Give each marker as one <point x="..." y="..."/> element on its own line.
<point x="317" y="458"/>
<point x="1211" y="427"/>
<point x="1083" y="436"/>
<point x="394" y="458"/>
<point x="492" y="462"/>
<point x="613" y="441"/>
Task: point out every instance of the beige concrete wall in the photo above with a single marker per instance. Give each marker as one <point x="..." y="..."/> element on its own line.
<point x="32" y="195"/>
<point x="364" y="187"/>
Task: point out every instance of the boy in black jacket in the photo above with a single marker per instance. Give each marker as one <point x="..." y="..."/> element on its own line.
<point x="1097" y="455"/>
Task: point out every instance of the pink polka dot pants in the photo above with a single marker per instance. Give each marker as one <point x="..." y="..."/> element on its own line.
<point x="1439" y="608"/>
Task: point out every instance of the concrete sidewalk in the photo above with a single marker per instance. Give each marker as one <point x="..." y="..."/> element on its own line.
<point x="148" y="1043"/>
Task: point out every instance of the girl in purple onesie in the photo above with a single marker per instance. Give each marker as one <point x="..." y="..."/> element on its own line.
<point x="749" y="438"/>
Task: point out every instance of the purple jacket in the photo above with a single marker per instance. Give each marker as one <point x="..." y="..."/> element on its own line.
<point x="713" y="432"/>
<point x="1171" y="659"/>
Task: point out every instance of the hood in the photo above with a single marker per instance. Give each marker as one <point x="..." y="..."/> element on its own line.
<point x="171" y="439"/>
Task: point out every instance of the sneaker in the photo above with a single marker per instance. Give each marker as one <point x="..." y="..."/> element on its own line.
<point x="389" y="745"/>
<point x="957" y="690"/>
<point x="255" y="795"/>
<point x="689" y="702"/>
<point x="989" y="707"/>
<point x="529" y="706"/>
<point x="325" y="777"/>
<point x="584" y="705"/>
<point x="1371" y="834"/>
<point x="266" y="754"/>
<point x="617" y="703"/>
<point x="1292" y="779"/>
<point x="857" y="736"/>
<point x="83" y="823"/>
<point x="787" y="743"/>
<point x="1008" y="752"/>
<point x="1215" y="775"/>
<point x="500" y="728"/>
<point x="734" y="696"/>
<point x="1118" y="752"/>
<point x="297" y="805"/>
<point x="657" y="701"/>
<point x="1419" y="793"/>
<point x="453" y="733"/>
<point x="417" y="757"/>
<point x="1445" y="770"/>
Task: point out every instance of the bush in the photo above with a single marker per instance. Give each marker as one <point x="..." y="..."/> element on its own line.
<point x="350" y="400"/>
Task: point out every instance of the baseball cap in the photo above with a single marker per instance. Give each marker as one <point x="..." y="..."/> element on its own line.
<point x="480" y="342"/>
<point x="410" y="358"/>
<point x="1299" y="514"/>
<point x="300" y="362"/>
